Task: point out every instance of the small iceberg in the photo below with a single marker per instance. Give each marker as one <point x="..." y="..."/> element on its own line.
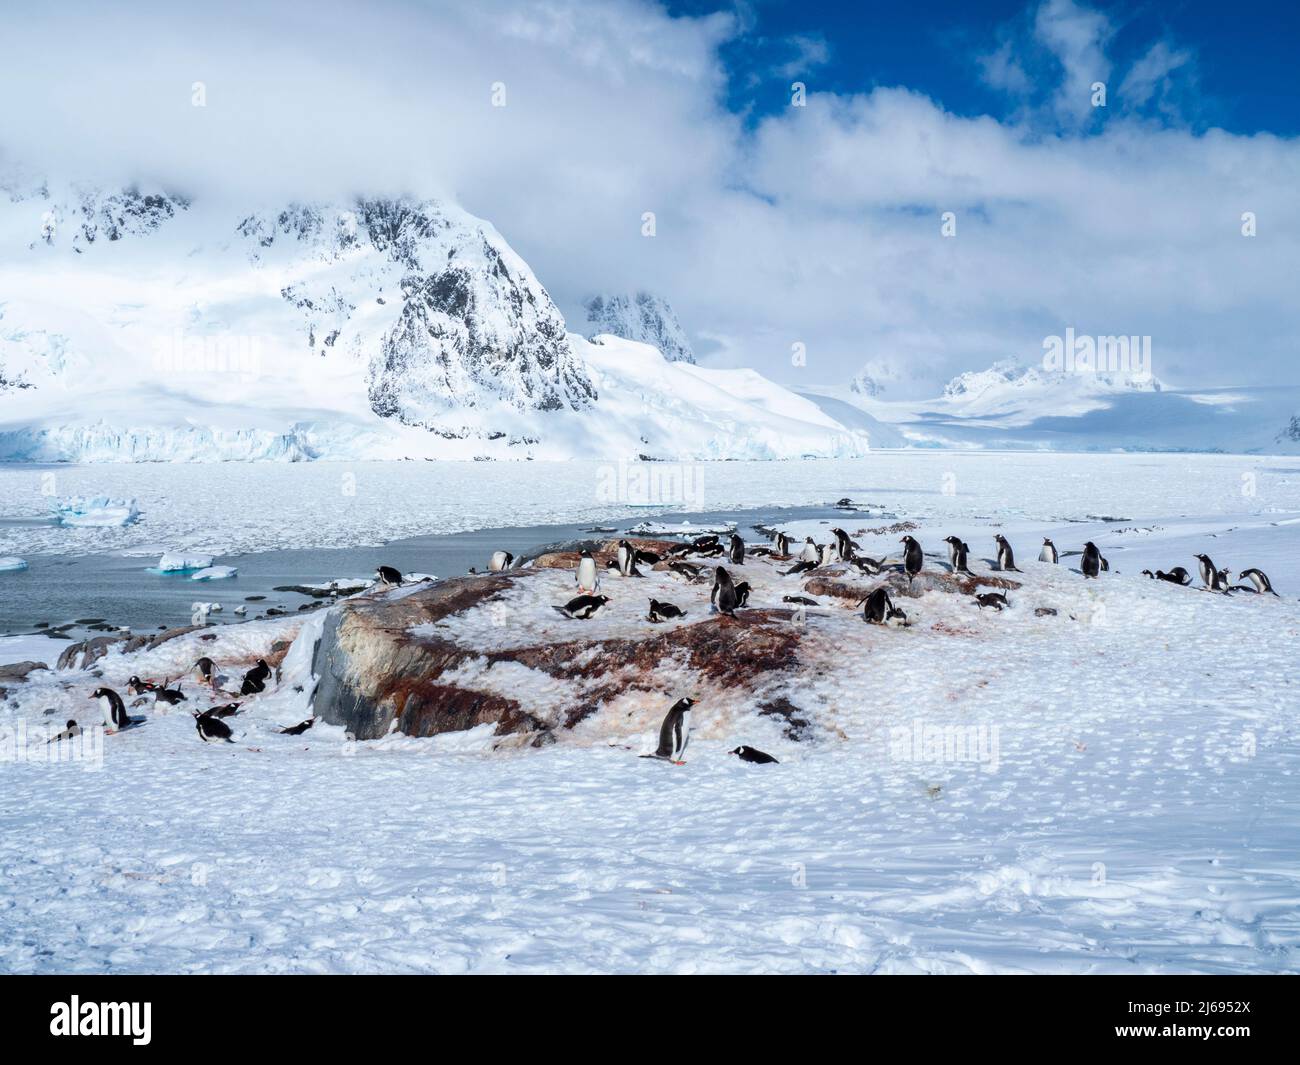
<point x="84" y="512"/>
<point x="178" y="562"/>
<point x="11" y="564"/>
<point x="214" y="573"/>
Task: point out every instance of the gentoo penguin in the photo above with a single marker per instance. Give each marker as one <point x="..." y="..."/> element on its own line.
<point x="810" y="553"/>
<point x="913" y="556"/>
<point x="136" y="686"/>
<point x="674" y="733"/>
<point x="648" y="557"/>
<point x="997" y="600"/>
<point x="802" y="566"/>
<point x="205" y="668"/>
<point x="255" y="679"/>
<point x="782" y="544"/>
<point x="685" y="570"/>
<point x="1223" y="580"/>
<point x="1259" y="579"/>
<point x="500" y="561"/>
<point x="1049" y="552"/>
<point x="170" y="696"/>
<point x="626" y="558"/>
<point x="228" y="710"/>
<point x="1209" y="573"/>
<point x="387" y="576"/>
<point x="1091" y="560"/>
<point x="799" y="600"/>
<point x="584" y="607"/>
<point x="1105" y="566"/>
<point x="212" y="729"/>
<point x="742" y="593"/>
<point x="880" y="609"/>
<point x="723" y="595"/>
<point x="828" y="554"/>
<point x="869" y="566"/>
<point x="1177" y="575"/>
<point x="298" y="729"/>
<point x="753" y="754"/>
<point x="705" y="543"/>
<point x="844" y="545"/>
<point x="958" y="554"/>
<point x="588" y="582"/>
<point x="114" y="709"/>
<point x="1006" y="560"/>
<point x="736" y="551"/>
<point x="664" y="611"/>
<point x="72" y="731"/>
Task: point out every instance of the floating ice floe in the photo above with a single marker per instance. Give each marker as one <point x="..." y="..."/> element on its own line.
<point x="11" y="563"/>
<point x="214" y="573"/>
<point x="96" y="512"/>
<point x="178" y="562"/>
<point x="685" y="528"/>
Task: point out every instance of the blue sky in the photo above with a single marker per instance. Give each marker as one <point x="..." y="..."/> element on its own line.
<point x="1241" y="65"/>
<point x="776" y="226"/>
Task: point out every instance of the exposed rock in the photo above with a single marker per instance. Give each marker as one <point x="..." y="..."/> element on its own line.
<point x="81" y="655"/>
<point x="823" y="582"/>
<point x="19" y="670"/>
<point x="375" y="671"/>
<point x="644" y="317"/>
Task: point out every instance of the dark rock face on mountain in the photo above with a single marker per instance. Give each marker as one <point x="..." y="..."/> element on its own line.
<point x="641" y="316"/>
<point x="452" y="319"/>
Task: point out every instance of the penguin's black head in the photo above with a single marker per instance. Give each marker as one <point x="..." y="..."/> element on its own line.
<point x="739" y="750"/>
<point x="1090" y="546"/>
<point x="71" y="724"/>
<point x="98" y="693"/>
<point x="1046" y="540"/>
<point x="603" y="598"/>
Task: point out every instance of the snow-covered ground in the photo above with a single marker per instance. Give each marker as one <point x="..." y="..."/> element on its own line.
<point x="230" y="508"/>
<point x="1127" y="801"/>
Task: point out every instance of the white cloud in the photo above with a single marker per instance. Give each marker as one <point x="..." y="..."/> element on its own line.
<point x="820" y="226"/>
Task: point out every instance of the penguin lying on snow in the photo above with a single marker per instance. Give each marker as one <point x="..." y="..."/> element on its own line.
<point x="584" y="607"/>
<point x="170" y="696"/>
<point x="114" y="709"/>
<point x="136" y="686"/>
<point x="664" y="611"/>
<point x="255" y="679"/>
<point x="212" y="729"/>
<point x="298" y="729"/>
<point x="674" y="733"/>
<point x="685" y="570"/>
<point x="802" y="566"/>
<point x="227" y="710"/>
<point x="870" y="566"/>
<point x="996" y="600"/>
<point x="1177" y="575"/>
<point x="799" y="600"/>
<point x="753" y="754"/>
<point x="72" y="731"/>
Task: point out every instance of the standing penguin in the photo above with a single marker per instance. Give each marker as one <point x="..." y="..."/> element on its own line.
<point x="1259" y="579"/>
<point x="880" y="609"/>
<point x="1091" y="560"/>
<point x="723" y="595"/>
<point x="913" y="556"/>
<point x="588" y="582"/>
<point x="206" y="670"/>
<point x="736" y="551"/>
<point x="1209" y="573"/>
<point x="782" y="544"/>
<point x="1049" y="552"/>
<point x="626" y="558"/>
<point x="255" y="679"/>
<point x="843" y="545"/>
<point x="958" y="554"/>
<point x="810" y="553"/>
<point x="674" y="733"/>
<point x="114" y="709"/>
<point x="828" y="555"/>
<point x="742" y="593"/>
<point x="387" y="576"/>
<point x="500" y="561"/>
<point x="1006" y="559"/>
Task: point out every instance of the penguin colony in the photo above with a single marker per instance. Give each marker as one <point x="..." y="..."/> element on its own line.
<point x="726" y="596"/>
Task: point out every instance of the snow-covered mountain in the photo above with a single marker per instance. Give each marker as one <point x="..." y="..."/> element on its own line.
<point x="139" y="324"/>
<point x="640" y="316"/>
